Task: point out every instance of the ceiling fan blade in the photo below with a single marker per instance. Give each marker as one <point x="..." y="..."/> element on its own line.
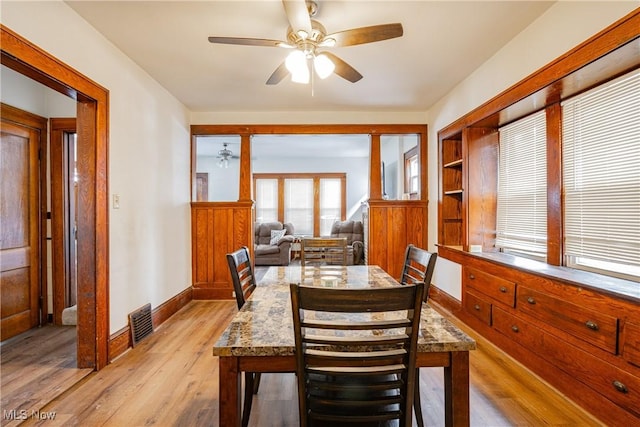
<point x="363" y="35"/>
<point x="247" y="41"/>
<point x="280" y="73"/>
<point x="298" y="15"/>
<point x="343" y="69"/>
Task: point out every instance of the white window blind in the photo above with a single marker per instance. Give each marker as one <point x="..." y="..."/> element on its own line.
<point x="266" y="200"/>
<point x="601" y="161"/>
<point x="522" y="187"/>
<point x="330" y="204"/>
<point x="298" y="205"/>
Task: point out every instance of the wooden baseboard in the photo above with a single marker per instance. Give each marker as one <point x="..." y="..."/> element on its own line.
<point x="212" y="293"/>
<point x="445" y="301"/>
<point x="120" y="341"/>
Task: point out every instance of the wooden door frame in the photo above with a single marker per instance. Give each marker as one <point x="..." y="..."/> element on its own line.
<point x="24" y="57"/>
<point x="59" y="231"/>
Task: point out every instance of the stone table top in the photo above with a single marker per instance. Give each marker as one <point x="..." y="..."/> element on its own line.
<point x="264" y="325"/>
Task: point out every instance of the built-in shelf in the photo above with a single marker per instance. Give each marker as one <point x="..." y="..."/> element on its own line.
<point x="451" y="222"/>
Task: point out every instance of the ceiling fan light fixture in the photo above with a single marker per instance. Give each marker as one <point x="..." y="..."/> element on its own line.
<point x="224" y="154"/>
<point x="323" y="65"/>
<point x="296" y="63"/>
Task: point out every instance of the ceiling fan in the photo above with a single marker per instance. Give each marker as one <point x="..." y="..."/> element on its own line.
<point x="308" y="40"/>
<point x="224" y="155"/>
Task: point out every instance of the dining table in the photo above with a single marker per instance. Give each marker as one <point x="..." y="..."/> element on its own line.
<point x="260" y="338"/>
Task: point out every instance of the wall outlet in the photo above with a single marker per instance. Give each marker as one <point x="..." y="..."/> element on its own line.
<point x="116" y="201"/>
<point x="475" y="248"/>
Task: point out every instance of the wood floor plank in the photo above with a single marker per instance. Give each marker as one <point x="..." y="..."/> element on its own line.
<point x="170" y="379"/>
<point x="36" y="367"/>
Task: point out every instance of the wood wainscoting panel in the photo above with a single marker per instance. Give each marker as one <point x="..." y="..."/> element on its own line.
<point x="217" y="228"/>
<point x="394" y="224"/>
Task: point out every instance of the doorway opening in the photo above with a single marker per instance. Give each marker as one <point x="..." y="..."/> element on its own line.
<point x="64" y="217"/>
<point x="20" y="55"/>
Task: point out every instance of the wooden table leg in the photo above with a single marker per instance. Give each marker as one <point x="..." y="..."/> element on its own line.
<point x="456" y="390"/>
<point x="229" y="387"/>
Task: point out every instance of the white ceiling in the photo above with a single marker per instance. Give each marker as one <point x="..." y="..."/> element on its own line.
<point x="443" y="42"/>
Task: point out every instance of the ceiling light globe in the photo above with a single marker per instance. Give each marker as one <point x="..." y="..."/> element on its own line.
<point x="324" y="66"/>
<point x="296" y="63"/>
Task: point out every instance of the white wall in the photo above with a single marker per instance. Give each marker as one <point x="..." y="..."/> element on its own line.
<point x="558" y="30"/>
<point x="224" y="184"/>
<point x="149" y="160"/>
<point x="22" y="92"/>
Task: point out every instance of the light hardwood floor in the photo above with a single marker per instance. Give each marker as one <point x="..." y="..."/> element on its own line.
<point x="35" y="367"/>
<point x="170" y="379"/>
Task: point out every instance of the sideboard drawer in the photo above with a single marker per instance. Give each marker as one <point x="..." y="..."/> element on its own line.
<point x="496" y="288"/>
<point x="631" y="347"/>
<point x="615" y="384"/>
<point x="595" y="328"/>
<point x="478" y="307"/>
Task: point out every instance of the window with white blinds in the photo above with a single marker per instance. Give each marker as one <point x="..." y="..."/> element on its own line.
<point x="522" y="187"/>
<point x="330" y="204"/>
<point x="266" y="200"/>
<point x="601" y="174"/>
<point x="298" y="205"/>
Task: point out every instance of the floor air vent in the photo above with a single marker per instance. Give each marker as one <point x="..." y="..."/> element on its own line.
<point x="141" y="324"/>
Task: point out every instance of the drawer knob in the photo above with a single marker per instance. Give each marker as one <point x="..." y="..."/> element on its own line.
<point x="514" y="328"/>
<point x="503" y="289"/>
<point x="471" y="276"/>
<point x="620" y="387"/>
<point x="531" y="300"/>
<point x="591" y="325"/>
<point x="477" y="307"/>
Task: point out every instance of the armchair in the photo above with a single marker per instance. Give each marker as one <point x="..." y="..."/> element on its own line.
<point x="278" y="253"/>
<point x="354" y="233"/>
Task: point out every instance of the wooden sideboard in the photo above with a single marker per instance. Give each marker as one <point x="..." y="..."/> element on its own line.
<point x="582" y="340"/>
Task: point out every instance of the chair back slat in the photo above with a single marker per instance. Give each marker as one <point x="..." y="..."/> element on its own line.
<point x="244" y="281"/>
<point x="419" y="265"/>
<point x="323" y="251"/>
<point x="355" y="352"/>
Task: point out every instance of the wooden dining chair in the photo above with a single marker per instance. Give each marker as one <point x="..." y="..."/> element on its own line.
<point x="323" y="251"/>
<point x="418" y="268"/>
<point x="355" y="353"/>
<point x="244" y="283"/>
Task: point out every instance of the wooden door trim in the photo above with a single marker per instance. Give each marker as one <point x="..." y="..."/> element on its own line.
<point x="59" y="256"/>
<point x="24" y="57"/>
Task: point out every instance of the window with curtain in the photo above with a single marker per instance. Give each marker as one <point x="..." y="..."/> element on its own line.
<point x="601" y="176"/>
<point x="522" y="187"/>
<point x="266" y="200"/>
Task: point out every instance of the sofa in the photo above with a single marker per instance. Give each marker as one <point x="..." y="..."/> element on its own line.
<point x="354" y="232"/>
<point x="271" y="248"/>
